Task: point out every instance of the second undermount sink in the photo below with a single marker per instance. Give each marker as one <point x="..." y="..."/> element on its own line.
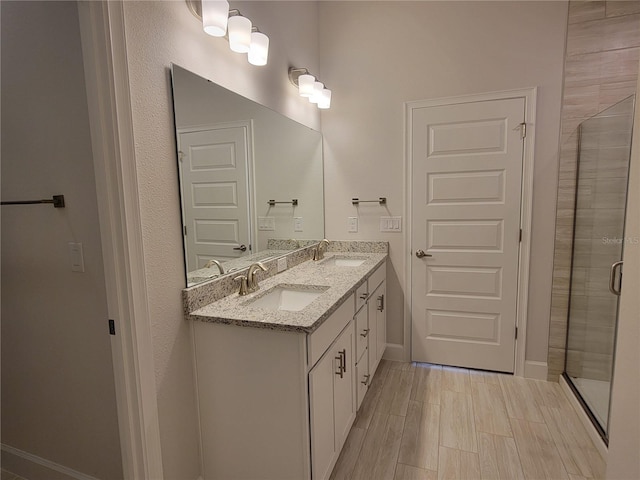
<point x="339" y="261"/>
<point x="292" y="298"/>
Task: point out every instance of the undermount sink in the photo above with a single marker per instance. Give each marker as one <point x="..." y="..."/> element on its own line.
<point x="344" y="261"/>
<point x="292" y="298"/>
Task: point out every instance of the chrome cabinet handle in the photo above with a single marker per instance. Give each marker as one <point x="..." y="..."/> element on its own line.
<point x="340" y="365"/>
<point x="380" y="303"/>
<point x="364" y="296"/>
<point x="242" y="248"/>
<point x="342" y="362"/>
<point x="420" y="254"/>
<point x="366" y="333"/>
<point x="612" y="278"/>
<point x="366" y="379"/>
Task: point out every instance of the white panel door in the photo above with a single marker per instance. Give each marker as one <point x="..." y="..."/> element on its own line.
<point x="214" y="167"/>
<point x="466" y="194"/>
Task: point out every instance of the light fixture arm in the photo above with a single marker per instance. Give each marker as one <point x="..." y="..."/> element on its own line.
<point x="294" y="74"/>
<point x="195" y="7"/>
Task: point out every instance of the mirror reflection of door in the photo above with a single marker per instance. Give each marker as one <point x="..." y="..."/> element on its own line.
<point x="214" y="171"/>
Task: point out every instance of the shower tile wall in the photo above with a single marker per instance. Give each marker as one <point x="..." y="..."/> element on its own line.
<point x="601" y="69"/>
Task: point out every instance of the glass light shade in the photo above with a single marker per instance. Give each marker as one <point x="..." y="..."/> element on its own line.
<point x="325" y="99"/>
<point x="305" y="85"/>
<point x="239" y="33"/>
<point x="317" y="92"/>
<point x="259" y="49"/>
<point x="215" y="14"/>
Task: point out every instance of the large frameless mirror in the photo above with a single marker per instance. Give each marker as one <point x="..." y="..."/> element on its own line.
<point x="251" y="179"/>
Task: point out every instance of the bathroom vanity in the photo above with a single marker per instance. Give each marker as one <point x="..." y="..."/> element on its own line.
<point x="281" y="372"/>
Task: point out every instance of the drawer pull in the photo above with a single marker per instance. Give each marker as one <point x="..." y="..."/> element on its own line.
<point x="364" y="296"/>
<point x="380" y="303"/>
<point x="365" y="333"/>
<point x="342" y="362"/>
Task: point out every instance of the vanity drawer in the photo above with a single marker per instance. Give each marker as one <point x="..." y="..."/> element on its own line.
<point x="362" y="332"/>
<point x="362" y="293"/>
<point x="319" y="341"/>
<point x="362" y="379"/>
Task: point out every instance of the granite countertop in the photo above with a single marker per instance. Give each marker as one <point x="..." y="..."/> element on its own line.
<point x="336" y="283"/>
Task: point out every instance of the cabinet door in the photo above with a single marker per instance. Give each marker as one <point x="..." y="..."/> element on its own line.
<point x="344" y="400"/>
<point x="323" y="447"/>
<point x="332" y="402"/>
<point x="373" y="332"/>
<point x="380" y="299"/>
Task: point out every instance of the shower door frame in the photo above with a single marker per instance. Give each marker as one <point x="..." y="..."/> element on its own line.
<point x="576" y="391"/>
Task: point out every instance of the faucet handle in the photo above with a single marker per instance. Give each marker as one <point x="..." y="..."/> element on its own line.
<point x="244" y="288"/>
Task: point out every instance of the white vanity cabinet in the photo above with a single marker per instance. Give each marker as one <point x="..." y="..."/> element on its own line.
<point x="371" y="329"/>
<point x="278" y="402"/>
<point x="274" y="404"/>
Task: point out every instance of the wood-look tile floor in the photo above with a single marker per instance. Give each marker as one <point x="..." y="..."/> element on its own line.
<point x="420" y="421"/>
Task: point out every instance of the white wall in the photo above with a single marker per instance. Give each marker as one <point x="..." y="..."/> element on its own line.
<point x="375" y="56"/>
<point x="159" y="33"/>
<point x="58" y="394"/>
<point x="623" y="461"/>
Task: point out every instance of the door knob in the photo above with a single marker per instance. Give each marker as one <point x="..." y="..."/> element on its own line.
<point x="242" y="248"/>
<point x="420" y="254"/>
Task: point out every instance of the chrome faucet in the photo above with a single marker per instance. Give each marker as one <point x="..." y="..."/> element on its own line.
<point x="318" y="252"/>
<point x="213" y="262"/>
<point x="252" y="281"/>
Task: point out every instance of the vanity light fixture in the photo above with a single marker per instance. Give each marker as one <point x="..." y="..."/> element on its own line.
<point x="219" y="21"/>
<point x="239" y="32"/>
<point x="309" y="87"/>
<point x="215" y="14"/>
<point x="259" y="48"/>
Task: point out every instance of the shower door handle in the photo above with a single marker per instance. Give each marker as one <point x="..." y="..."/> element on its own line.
<point x="612" y="278"/>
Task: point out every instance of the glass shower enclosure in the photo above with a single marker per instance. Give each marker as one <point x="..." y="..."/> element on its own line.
<point x="596" y="269"/>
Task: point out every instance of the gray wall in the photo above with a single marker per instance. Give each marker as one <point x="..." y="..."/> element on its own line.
<point x="378" y="55"/>
<point x="58" y="396"/>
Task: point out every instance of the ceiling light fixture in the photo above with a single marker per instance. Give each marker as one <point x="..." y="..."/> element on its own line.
<point x="309" y="87"/>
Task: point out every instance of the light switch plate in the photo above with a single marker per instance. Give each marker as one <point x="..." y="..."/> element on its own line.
<point x="391" y="224"/>
<point x="76" y="257"/>
<point x="352" y="224"/>
<point x="266" y="224"/>
<point x="298" y="224"/>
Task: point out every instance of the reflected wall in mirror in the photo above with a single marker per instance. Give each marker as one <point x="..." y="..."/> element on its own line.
<point x="235" y="158"/>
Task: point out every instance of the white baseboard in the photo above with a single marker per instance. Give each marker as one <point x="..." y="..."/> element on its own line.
<point x="535" y="370"/>
<point x="396" y="352"/>
<point x="43" y="462"/>
<point x="584" y="418"/>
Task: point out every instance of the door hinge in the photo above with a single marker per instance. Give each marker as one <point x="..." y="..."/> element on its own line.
<point x="523" y="129"/>
<point x="112" y="327"/>
<point x="520" y="235"/>
<point x="180" y="155"/>
<point x="184" y="230"/>
<point x="516" y="333"/>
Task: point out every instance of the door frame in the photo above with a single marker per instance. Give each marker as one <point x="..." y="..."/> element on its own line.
<point x="526" y="210"/>
<point x="102" y="32"/>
